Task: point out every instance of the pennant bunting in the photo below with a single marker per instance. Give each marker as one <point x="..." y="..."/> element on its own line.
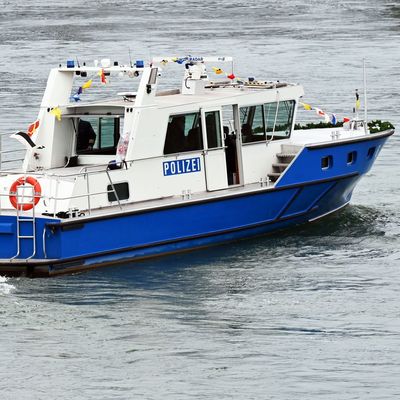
<point x="217" y="71"/>
<point x="33" y="127"/>
<point x="306" y="106"/>
<point x="102" y="76"/>
<point x="328" y="117"/>
<point x="57" y="113"/>
<point x="75" y="97"/>
<point x="87" y="84"/>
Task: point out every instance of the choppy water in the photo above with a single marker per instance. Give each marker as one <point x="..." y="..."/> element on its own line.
<point x="308" y="314"/>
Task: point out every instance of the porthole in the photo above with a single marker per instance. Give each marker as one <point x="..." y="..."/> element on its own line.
<point x="371" y="152"/>
<point x="326" y="162"/>
<point x="351" y="157"/>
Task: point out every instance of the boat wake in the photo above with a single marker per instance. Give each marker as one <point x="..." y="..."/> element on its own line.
<point x="5" y="288"/>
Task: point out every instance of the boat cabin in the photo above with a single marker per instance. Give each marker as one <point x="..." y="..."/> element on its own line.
<point x="208" y="135"/>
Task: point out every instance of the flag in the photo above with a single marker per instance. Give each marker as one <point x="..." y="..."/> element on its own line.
<point x="231" y="76"/>
<point x="33" y="127"/>
<point x="345" y="119"/>
<point x="306" y="106"/>
<point x="358" y="103"/>
<point x="87" y="84"/>
<point x="24" y="139"/>
<point x="102" y="76"/>
<point x="333" y="119"/>
<point x="75" y="97"/>
<point x="79" y="90"/>
<point x="218" y="71"/>
<point x="323" y="114"/>
<point x="56" y="112"/>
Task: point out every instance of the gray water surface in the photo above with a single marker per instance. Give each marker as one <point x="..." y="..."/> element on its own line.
<point x="311" y="313"/>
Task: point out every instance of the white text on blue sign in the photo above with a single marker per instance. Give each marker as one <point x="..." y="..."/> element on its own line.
<point x="186" y="166"/>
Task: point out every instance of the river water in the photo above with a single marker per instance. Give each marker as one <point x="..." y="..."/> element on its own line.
<point x="311" y="313"/>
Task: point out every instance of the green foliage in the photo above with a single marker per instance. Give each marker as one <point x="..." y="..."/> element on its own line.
<point x="378" y="126"/>
<point x="319" y="125"/>
<point x="374" y="126"/>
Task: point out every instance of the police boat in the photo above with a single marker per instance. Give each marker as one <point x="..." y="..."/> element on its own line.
<point x="150" y="172"/>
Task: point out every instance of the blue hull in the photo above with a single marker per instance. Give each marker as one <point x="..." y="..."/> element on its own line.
<point x="305" y="192"/>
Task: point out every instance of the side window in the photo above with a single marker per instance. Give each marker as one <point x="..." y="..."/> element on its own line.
<point x="122" y="190"/>
<point x="252" y="122"/>
<point x="109" y="132"/>
<point x="97" y="135"/>
<point x="87" y="134"/>
<point x="284" y="119"/>
<point x="213" y="129"/>
<point x="183" y="134"/>
<point x="269" y="117"/>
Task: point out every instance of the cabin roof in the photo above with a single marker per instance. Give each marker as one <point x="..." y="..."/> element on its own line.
<point x="171" y="98"/>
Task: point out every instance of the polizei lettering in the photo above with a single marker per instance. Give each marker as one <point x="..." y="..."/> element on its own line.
<point x="185" y="166"/>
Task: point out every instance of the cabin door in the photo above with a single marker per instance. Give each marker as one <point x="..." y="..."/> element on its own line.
<point x="214" y="150"/>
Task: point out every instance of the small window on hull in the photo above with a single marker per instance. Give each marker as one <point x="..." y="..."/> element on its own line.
<point x="326" y="162"/>
<point x="351" y="157"/>
<point x="122" y="190"/>
<point x="371" y="152"/>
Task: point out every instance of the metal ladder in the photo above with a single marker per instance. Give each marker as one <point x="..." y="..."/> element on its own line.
<point x="26" y="219"/>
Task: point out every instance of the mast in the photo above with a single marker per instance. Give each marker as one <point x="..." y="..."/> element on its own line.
<point x="365" y="98"/>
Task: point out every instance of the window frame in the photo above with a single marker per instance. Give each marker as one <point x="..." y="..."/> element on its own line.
<point x="269" y="135"/>
<point x="196" y="125"/>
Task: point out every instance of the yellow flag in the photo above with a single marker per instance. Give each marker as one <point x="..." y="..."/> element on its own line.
<point x="218" y="71"/>
<point x="57" y="113"/>
<point x="306" y="106"/>
<point x="87" y="84"/>
<point x="358" y="104"/>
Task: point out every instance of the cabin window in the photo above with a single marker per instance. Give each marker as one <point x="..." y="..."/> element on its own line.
<point x="270" y="115"/>
<point x="122" y="190"/>
<point x="326" y="162"/>
<point x="284" y="119"/>
<point x="213" y="129"/>
<point x="183" y="133"/>
<point x="351" y="157"/>
<point x="270" y="121"/>
<point x="97" y="135"/>
<point x="371" y="152"/>
<point x="252" y="121"/>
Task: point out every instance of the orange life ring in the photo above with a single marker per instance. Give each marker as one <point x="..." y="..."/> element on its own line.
<point x="37" y="192"/>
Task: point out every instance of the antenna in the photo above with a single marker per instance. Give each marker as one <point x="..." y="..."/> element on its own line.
<point x="130" y="58"/>
<point x="365" y="97"/>
<point x="77" y="61"/>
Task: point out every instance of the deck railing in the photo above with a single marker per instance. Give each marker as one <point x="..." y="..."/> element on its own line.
<point x="84" y="173"/>
<point x="10" y="156"/>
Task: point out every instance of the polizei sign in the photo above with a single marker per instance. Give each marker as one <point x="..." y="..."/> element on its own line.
<point x="176" y="167"/>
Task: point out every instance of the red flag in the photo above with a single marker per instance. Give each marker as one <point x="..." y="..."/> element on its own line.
<point x="102" y="76"/>
<point x="32" y="127"/>
<point x="345" y="119"/>
<point x="231" y="76"/>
